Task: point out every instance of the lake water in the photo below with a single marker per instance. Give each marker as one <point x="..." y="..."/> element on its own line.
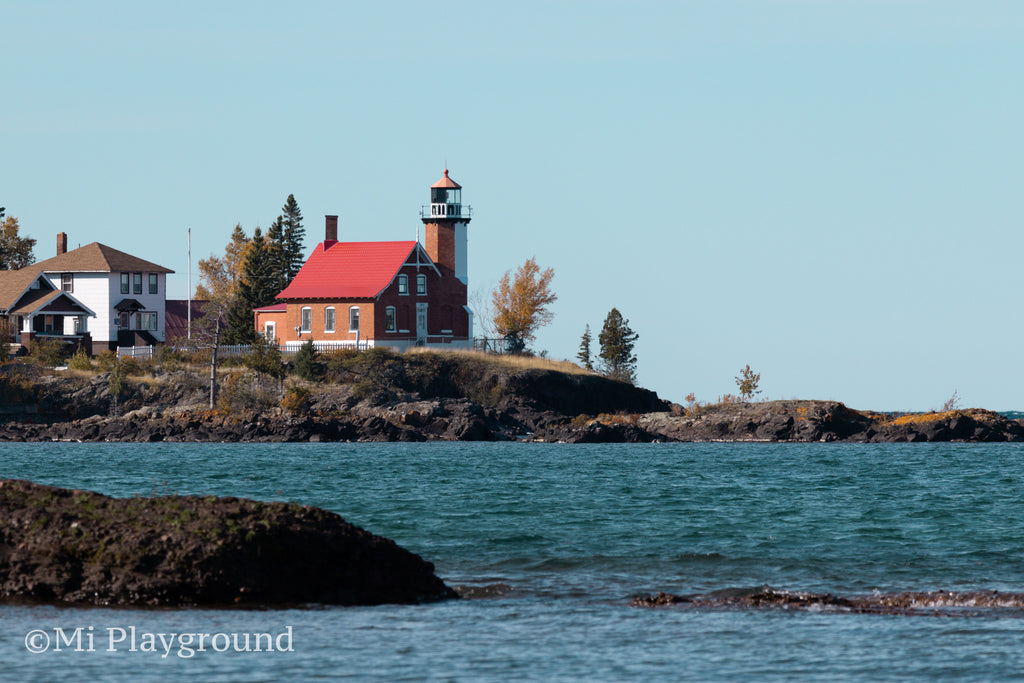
<point x="576" y="532"/>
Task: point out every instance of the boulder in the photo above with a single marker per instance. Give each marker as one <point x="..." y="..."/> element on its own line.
<point x="77" y="547"/>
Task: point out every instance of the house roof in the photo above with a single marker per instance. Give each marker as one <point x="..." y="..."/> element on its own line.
<point x="39" y="299"/>
<point x="13" y="284"/>
<point x="446" y="183"/>
<point x="272" y="308"/>
<point x="351" y="270"/>
<point x="96" y="258"/>
<point x="176" y="316"/>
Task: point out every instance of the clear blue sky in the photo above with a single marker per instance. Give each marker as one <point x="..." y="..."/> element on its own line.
<point x="828" y="191"/>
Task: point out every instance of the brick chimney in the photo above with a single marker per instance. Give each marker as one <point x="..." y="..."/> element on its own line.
<point x="331" y="230"/>
<point x="62" y="243"/>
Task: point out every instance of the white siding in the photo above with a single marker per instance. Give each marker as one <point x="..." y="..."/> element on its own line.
<point x="102" y="291"/>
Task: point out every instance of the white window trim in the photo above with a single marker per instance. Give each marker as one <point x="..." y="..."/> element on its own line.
<point x="350" y="309"/>
<point x="394" y="319"/>
<point x="332" y="330"/>
<point x="303" y="319"/>
<point x="421" y="278"/>
<point x="401" y="277"/>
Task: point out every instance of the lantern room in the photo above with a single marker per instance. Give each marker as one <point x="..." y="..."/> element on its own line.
<point x="446" y="198"/>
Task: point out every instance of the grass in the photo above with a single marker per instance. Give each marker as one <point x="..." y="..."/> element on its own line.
<point x="510" y="361"/>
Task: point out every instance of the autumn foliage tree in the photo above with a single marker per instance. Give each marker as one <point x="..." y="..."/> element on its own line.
<point x="747" y="383"/>
<point x="219" y="275"/>
<point x="521" y="304"/>
<point x="15" y="251"/>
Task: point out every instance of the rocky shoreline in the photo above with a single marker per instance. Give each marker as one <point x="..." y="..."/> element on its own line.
<point x="458" y="403"/>
<point x="60" y="546"/>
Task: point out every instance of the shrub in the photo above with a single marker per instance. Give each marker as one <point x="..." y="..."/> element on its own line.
<point x="243" y="393"/>
<point x="47" y="352"/>
<point x="265" y="357"/>
<point x="296" y="400"/>
<point x="306" y="365"/>
<point x="107" y="361"/>
<point x="80" y="360"/>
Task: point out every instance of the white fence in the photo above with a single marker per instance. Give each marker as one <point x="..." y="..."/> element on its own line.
<point x="238" y="350"/>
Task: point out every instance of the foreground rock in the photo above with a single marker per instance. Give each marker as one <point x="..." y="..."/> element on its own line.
<point x="77" y="547"/>
<point x="911" y="603"/>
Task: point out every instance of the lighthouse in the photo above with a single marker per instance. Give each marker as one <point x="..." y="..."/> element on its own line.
<point x="446" y="221"/>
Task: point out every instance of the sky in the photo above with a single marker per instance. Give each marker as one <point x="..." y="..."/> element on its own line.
<point x="829" y="192"/>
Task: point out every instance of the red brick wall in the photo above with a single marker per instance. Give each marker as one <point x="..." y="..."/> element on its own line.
<point x="440" y="245"/>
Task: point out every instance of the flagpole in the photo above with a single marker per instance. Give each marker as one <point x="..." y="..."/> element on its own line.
<point x="189" y="301"/>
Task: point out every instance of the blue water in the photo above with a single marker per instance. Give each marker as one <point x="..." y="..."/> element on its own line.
<point x="576" y="532"/>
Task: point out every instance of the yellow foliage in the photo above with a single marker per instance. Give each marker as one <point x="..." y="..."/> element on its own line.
<point x="521" y="302"/>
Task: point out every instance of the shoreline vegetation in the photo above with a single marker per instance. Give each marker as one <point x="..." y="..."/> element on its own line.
<point x="380" y="395"/>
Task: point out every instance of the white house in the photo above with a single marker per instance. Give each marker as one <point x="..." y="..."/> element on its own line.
<point x="31" y="306"/>
<point x="127" y="293"/>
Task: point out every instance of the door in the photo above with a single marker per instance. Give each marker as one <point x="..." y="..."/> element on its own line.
<point x="421" y="323"/>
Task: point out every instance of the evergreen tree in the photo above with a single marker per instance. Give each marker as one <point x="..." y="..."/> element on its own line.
<point x="294" y="236"/>
<point x="255" y="289"/>
<point x="617" y="341"/>
<point x="584" y="352"/>
<point x="306" y="365"/>
<point x="277" y="256"/>
<point x="241" y="326"/>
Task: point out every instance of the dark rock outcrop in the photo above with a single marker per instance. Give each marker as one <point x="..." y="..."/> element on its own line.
<point x="910" y="603"/>
<point x="78" y="547"/>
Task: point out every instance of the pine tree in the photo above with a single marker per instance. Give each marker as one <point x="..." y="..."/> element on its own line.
<point x="294" y="236"/>
<point x="617" y="341"/>
<point x="306" y="365"/>
<point x="277" y="257"/>
<point x="584" y="352"/>
<point x="255" y="289"/>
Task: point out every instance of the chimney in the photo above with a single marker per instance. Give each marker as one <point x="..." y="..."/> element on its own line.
<point x="331" y="229"/>
<point x="62" y="243"/>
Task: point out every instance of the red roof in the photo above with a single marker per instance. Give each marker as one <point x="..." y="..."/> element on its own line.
<point x="349" y="270"/>
<point x="446" y="183"/>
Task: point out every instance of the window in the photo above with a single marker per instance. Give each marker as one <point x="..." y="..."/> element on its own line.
<point x="125" y="283"/>
<point x="403" y="284"/>
<point x="270" y="331"/>
<point x="329" y="319"/>
<point x="137" y="282"/>
<point x="146" y="320"/>
<point x="67" y="282"/>
<point x="307" y="319"/>
<point x="154" y="283"/>
<point x="389" y="319"/>
<point x="421" y="284"/>
<point x="353" y="319"/>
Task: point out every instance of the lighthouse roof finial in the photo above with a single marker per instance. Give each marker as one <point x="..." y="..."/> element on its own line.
<point x="446" y="182"/>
